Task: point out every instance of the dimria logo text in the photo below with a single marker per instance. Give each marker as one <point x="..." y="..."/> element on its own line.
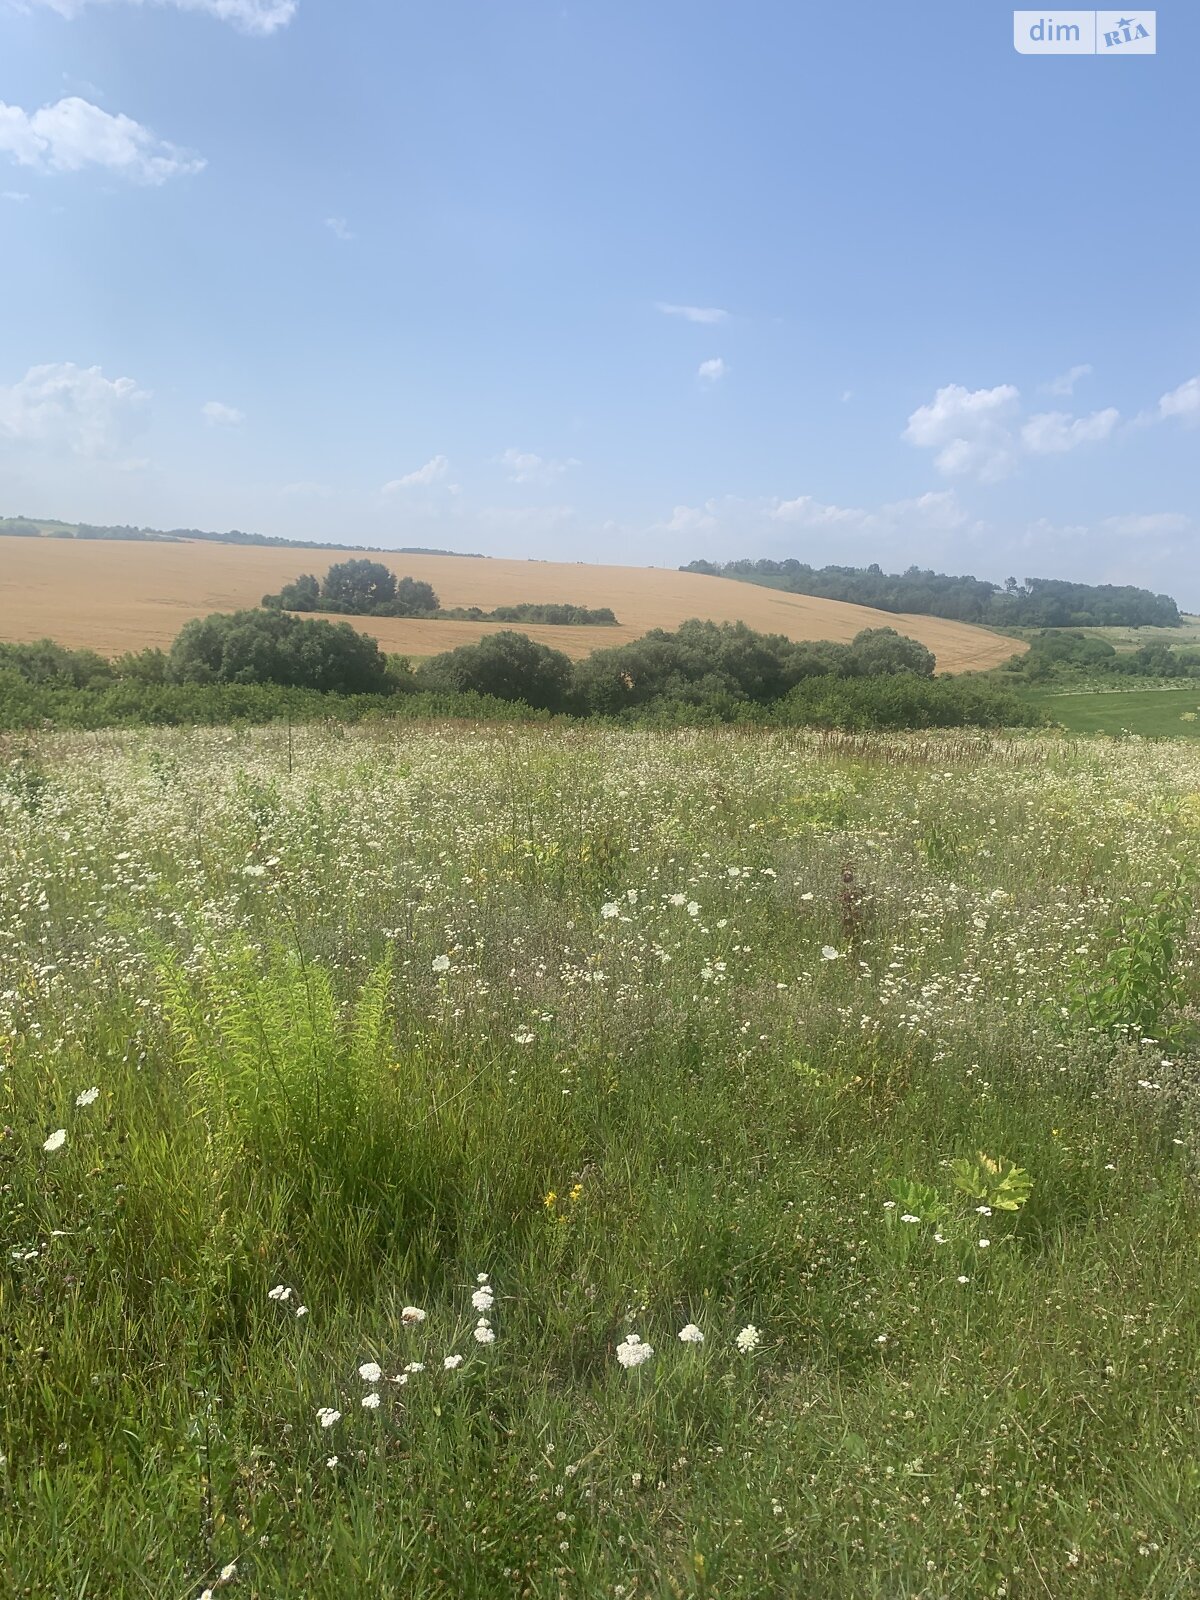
<point x="1085" y="33"/>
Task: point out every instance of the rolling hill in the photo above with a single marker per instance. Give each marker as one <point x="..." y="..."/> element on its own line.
<point x="112" y="596"/>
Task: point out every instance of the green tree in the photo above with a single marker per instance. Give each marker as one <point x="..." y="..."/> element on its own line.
<point x="302" y="595"/>
<point x="358" y="586"/>
<point x="413" y="598"/>
<point x="508" y="665"/>
<point x="879" y="652"/>
<point x="276" y="647"/>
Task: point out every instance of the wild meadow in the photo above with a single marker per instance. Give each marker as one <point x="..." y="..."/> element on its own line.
<point x="544" y="1162"/>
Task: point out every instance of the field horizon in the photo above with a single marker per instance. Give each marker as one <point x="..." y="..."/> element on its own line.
<point x="115" y="595"/>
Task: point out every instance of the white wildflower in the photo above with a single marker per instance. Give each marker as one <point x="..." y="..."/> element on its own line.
<point x="450" y="1363"/>
<point x="56" y="1140"/>
<point x="411" y="1315"/>
<point x="327" y="1416"/>
<point x="828" y="953"/>
<point x="633" y="1351"/>
<point x="611" y="909"/>
<point x="749" y="1339"/>
<point x="441" y="963"/>
<point x="87" y="1097"/>
<point x="691" y="1334"/>
<point x="483" y="1299"/>
<point x="279" y="1292"/>
<point x="229" y="1573"/>
<point x="370" y="1372"/>
<point x="484" y="1334"/>
<point x="370" y="1402"/>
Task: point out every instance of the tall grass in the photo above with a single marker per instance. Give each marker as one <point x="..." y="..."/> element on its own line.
<point x="726" y="1030"/>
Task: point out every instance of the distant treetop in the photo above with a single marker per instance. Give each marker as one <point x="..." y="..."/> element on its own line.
<point x="358" y="588"/>
<point x="46" y="528"/>
<point x="1036" y="603"/>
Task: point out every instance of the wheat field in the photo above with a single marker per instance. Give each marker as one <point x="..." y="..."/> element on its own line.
<point x="113" y="596"/>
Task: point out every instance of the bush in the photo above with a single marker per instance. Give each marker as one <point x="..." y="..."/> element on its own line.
<point x="709" y="663"/>
<point x="509" y="666"/>
<point x="904" y="700"/>
<point x="48" y="663"/>
<point x="303" y="595"/>
<point x="276" y="647"/>
<point x="881" y="652"/>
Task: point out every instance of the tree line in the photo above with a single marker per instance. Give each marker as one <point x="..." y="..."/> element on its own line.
<point x="702" y="672"/>
<point x="1036" y="603"/>
<point x="48" y="528"/>
<point x="1066" y="655"/>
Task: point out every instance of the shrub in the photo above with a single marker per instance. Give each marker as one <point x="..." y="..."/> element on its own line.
<point x="903" y="700"/>
<point x="507" y="665"/>
<point x="275" y="647"/>
<point x="48" y="663"/>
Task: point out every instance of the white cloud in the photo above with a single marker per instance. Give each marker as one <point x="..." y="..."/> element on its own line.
<point x="1182" y="402"/>
<point x="251" y="16"/>
<point x="340" y="229"/>
<point x="73" y="134"/>
<point x="17" y="195"/>
<point x="692" y="519"/>
<point x="218" y="415"/>
<point x="711" y="371"/>
<point x="523" y="466"/>
<point x="807" y="512"/>
<point x="1065" y="383"/>
<point x="980" y="433"/>
<point x="432" y="472"/>
<point x="1054" y="432"/>
<point x="63" y="407"/>
<point x="692" y="313"/>
<point x="971" y="429"/>
<point x="1149" y="525"/>
<point x="938" y="511"/>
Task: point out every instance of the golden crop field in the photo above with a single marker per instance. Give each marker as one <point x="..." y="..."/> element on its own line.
<point x="112" y="596"/>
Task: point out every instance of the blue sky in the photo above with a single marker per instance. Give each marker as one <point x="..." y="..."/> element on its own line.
<point x="625" y="280"/>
